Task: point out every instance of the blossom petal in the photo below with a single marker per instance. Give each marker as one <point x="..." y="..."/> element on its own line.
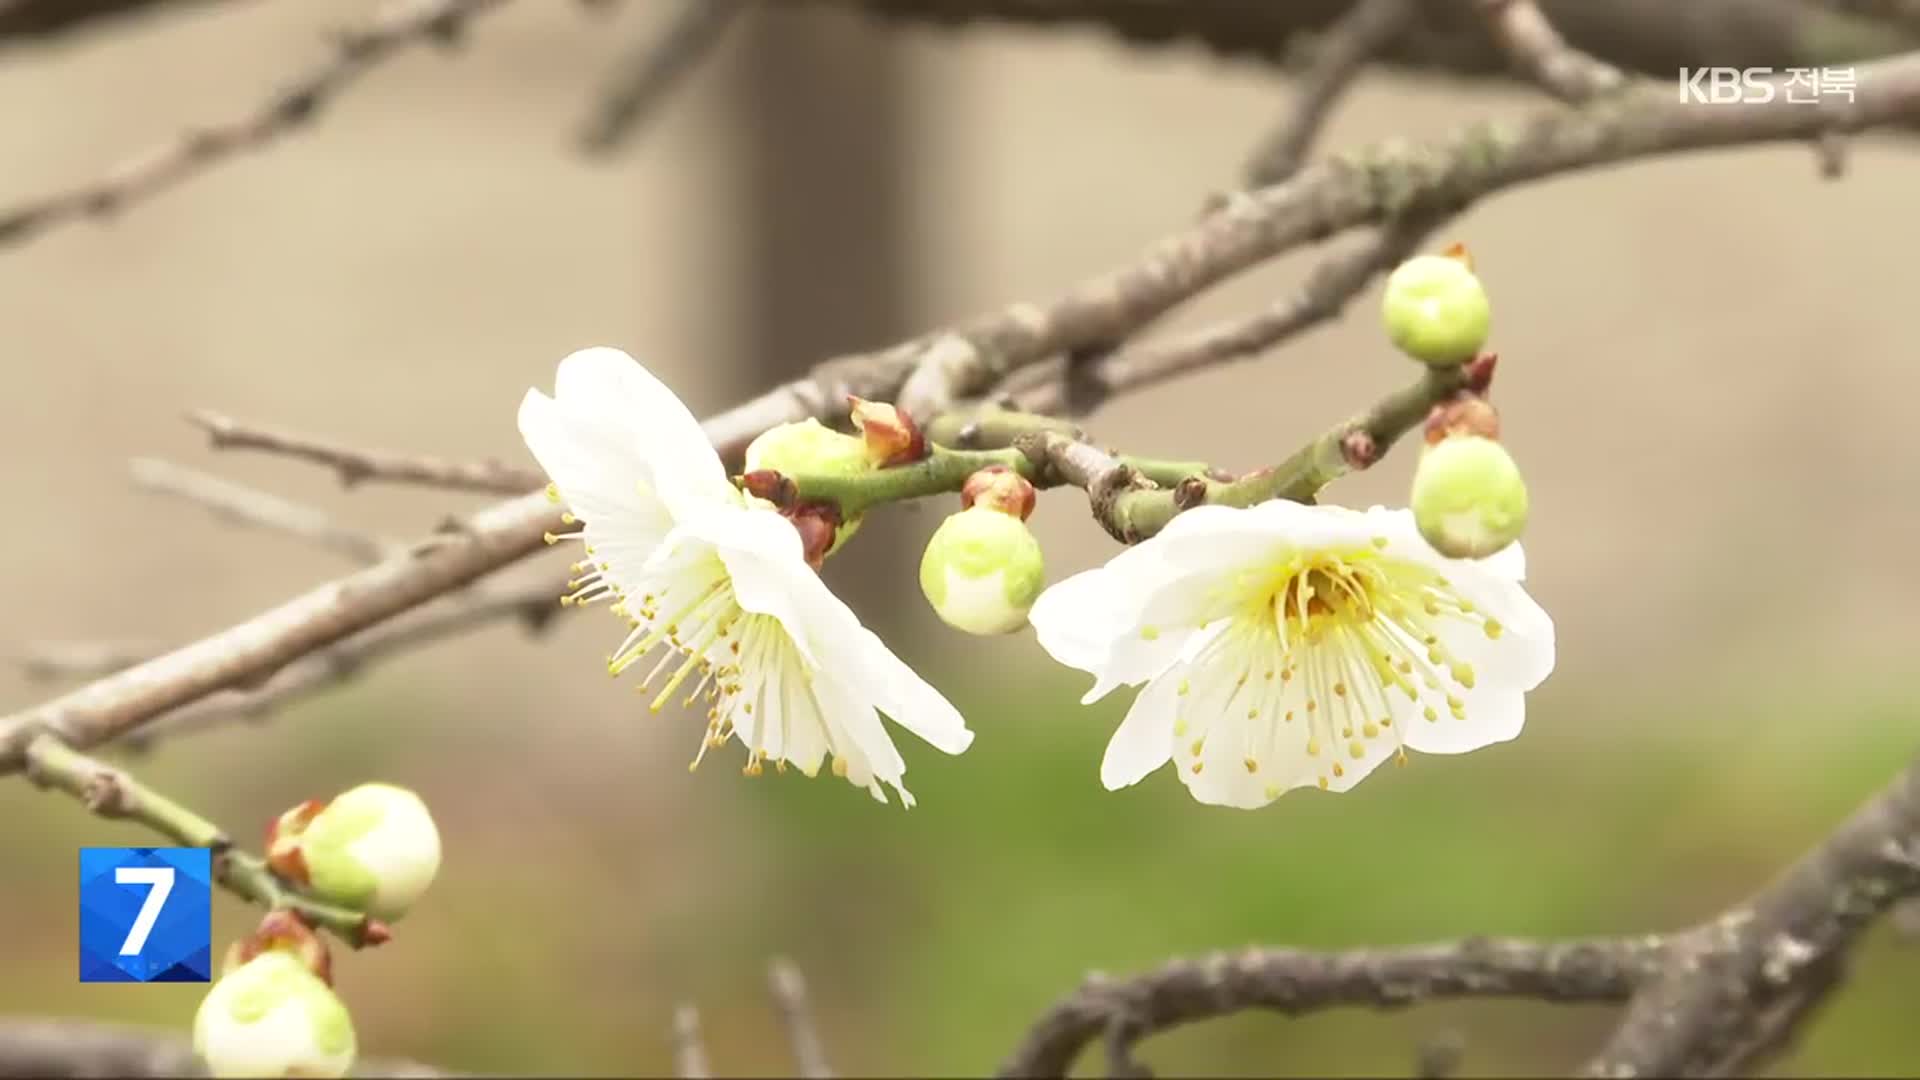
<point x="602" y="479"/>
<point x="1144" y="740"/>
<point x="1492" y="715"/>
<point x="623" y="396"/>
<point x="770" y="576"/>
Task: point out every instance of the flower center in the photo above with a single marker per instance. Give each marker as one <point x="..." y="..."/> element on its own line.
<point x="1316" y="651"/>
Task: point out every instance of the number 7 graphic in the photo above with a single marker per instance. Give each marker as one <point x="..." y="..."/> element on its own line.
<point x="160" y="880"/>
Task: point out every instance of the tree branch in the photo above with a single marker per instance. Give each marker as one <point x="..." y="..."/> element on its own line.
<point x="535" y="603"/>
<point x="253" y="508"/>
<point x="39" y="1049"/>
<point x="690" y="1060"/>
<point x="643" y="78"/>
<point x="113" y="793"/>
<point x="357" y="466"/>
<point x="1376" y="185"/>
<point x="1738" y="987"/>
<point x="1368" y="27"/>
<point x="397" y="26"/>
<point x="1539" y="51"/>
<point x="790" y="994"/>
<point x="1296" y="982"/>
<point x="1367" y="188"/>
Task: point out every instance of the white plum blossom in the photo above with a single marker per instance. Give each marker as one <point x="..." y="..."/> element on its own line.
<point x="715" y="586"/>
<point x="1287" y="646"/>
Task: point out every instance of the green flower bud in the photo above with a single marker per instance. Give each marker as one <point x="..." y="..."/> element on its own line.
<point x="1436" y="310"/>
<point x="810" y="448"/>
<point x="1469" y="499"/>
<point x="982" y="571"/>
<point x="273" y="1017"/>
<point x="374" y="849"/>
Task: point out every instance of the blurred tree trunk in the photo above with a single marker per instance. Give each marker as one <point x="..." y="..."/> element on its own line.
<point x="824" y="97"/>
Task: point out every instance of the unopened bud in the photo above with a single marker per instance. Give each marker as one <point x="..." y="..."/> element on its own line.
<point x="808" y="448"/>
<point x="272" y="1017"/>
<point x="891" y="436"/>
<point x="1463" y="414"/>
<point x="1000" y="489"/>
<point x="374" y="849"/>
<point x="1436" y="310"/>
<point x="1469" y="499"/>
<point x="982" y="571"/>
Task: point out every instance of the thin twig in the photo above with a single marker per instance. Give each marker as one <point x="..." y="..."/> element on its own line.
<point x="251" y="507"/>
<point x="1322" y="297"/>
<point x="1296" y="982"/>
<point x="534" y="604"/>
<point x="398" y="25"/>
<point x="358" y="466"/>
<point x="47" y="661"/>
<point x="643" y="78"/>
<point x="1366" y="28"/>
<point x="112" y="793"/>
<point x="790" y="993"/>
<point x="689" y="1049"/>
<point x="1537" y="49"/>
<point x="50" y="1048"/>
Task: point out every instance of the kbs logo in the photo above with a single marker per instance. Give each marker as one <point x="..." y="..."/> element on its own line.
<point x="1759" y="85"/>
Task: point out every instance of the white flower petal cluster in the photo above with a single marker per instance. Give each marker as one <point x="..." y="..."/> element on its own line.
<point x="1284" y="646"/>
<point x="721" y="604"/>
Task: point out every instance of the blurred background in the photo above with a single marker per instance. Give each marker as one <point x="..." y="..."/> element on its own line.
<point x="1705" y="364"/>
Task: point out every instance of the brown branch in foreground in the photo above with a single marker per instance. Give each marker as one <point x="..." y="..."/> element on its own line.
<point x="1368" y="27"/>
<point x="242" y="505"/>
<point x="1536" y="48"/>
<point x="356" y="466"/>
<point x="48" y="1049"/>
<point x="643" y="78"/>
<point x="1296" y="982"/>
<point x="397" y="26"/>
<point x="1369" y="187"/>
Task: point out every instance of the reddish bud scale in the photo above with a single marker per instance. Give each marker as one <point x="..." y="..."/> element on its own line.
<point x="1463" y="414"/>
<point x="283" y="931"/>
<point x="769" y="485"/>
<point x="1458" y="252"/>
<point x="1478" y="373"/>
<point x="817" y="524"/>
<point x="283" y="841"/>
<point x="1001" y="489"/>
<point x="890" y="433"/>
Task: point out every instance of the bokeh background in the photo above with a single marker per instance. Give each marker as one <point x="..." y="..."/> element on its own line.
<point x="1707" y="365"/>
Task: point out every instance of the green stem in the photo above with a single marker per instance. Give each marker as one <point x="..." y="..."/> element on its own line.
<point x="1133" y="498"/>
<point x="1353" y="444"/>
<point x="992" y="427"/>
<point x="942" y="471"/>
<point x="113" y="793"/>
